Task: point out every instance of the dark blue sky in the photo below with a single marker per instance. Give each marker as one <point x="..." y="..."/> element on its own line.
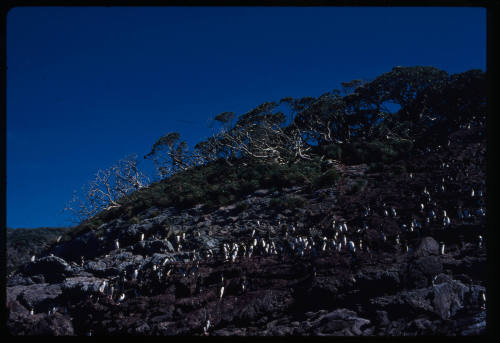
<point x="87" y="86"/>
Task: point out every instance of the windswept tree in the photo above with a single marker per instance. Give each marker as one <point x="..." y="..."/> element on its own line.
<point x="107" y="188"/>
<point x="170" y="155"/>
<point x="324" y="120"/>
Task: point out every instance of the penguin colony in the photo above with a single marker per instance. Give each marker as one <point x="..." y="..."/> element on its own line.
<point x="340" y="237"/>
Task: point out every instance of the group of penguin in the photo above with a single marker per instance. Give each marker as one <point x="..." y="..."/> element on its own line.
<point x="293" y="242"/>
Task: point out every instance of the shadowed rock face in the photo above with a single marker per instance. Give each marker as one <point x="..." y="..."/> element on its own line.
<point x="397" y="280"/>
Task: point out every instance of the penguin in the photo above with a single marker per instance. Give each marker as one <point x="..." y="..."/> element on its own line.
<point x="480" y="244"/>
<point x="58" y="239"/>
<point x="102" y="287"/>
<point x="393" y="212"/>
<point x="466" y="213"/>
<point x="421" y="207"/>
<point x="117" y="244"/>
<point x="472" y="193"/>
<point x="33" y="258"/>
<point x="142" y="237"/>
<point x="136" y="273"/>
<point x="441" y="248"/>
<point x="32" y="312"/>
<point x="483" y="300"/>
<point x="352" y="247"/>
<point x="206" y="327"/>
<point x="446" y="221"/>
<point x="221" y="292"/>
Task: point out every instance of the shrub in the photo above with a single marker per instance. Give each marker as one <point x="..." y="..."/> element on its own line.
<point x="358" y="186"/>
<point x="328" y="178"/>
<point x="332" y="151"/>
<point x="375" y="167"/>
<point x="242" y="206"/>
<point x="284" y="202"/>
<point x="134" y="220"/>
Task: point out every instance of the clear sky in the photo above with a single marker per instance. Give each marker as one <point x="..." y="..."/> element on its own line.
<point x="87" y="86"/>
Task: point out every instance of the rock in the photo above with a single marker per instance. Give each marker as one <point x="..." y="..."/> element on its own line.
<point x="86" y="244"/>
<point x="427" y="246"/>
<point x="53" y="268"/>
<point x="96" y="267"/>
<point x="261" y="192"/>
<point x="375" y="281"/>
<point x="77" y="287"/>
<point x="39" y="296"/>
<point x="422" y="270"/>
<point x="341" y="322"/>
<point x="382" y="318"/>
<point x="448" y="298"/>
<point x="19" y="279"/>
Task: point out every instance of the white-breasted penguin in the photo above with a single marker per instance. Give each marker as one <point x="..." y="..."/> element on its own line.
<point x="441" y="248"/>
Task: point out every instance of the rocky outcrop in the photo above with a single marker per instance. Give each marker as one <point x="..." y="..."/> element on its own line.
<point x="267" y="271"/>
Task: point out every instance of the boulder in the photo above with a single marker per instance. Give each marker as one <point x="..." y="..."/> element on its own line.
<point x="427" y="247"/>
<point x="38" y="296"/>
<point x="77" y="287"/>
<point x="341" y="322"/>
<point x="448" y="298"/>
<point x="53" y="268"/>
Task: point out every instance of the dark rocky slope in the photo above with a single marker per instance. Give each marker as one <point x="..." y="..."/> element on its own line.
<point x="400" y="280"/>
<point x="24" y="243"/>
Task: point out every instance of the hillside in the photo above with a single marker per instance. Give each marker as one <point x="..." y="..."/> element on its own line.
<point x="24" y="243"/>
<point x="370" y="236"/>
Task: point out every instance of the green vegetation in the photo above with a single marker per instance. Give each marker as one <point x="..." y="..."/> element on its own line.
<point x="262" y="149"/>
<point x="358" y="186"/>
<point x="23" y="243"/>
<point x="287" y="202"/>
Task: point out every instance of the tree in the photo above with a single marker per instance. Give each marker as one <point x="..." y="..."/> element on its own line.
<point x="107" y="188"/>
<point x="170" y="154"/>
<point x="324" y="120"/>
